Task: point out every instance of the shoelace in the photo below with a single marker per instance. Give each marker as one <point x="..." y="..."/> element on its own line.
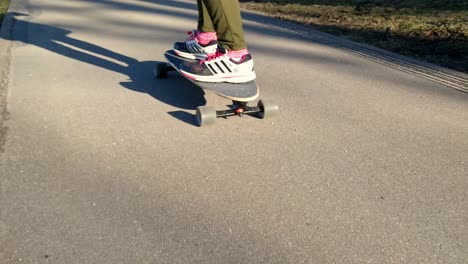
<point x="192" y="35"/>
<point x="213" y="56"/>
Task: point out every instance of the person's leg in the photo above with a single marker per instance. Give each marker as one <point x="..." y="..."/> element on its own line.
<point x="231" y="62"/>
<point x="201" y="42"/>
<point x="205" y="29"/>
<point x="204" y="20"/>
<point x="227" y="22"/>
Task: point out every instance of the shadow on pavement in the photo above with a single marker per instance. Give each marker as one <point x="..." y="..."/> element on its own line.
<point x="177" y="92"/>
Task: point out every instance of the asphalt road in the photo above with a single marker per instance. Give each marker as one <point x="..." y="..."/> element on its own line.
<point x="102" y="163"/>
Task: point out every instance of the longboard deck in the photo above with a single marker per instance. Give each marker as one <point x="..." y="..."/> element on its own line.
<point x="243" y="92"/>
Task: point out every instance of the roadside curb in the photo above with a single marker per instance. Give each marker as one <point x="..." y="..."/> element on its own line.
<point x="447" y="77"/>
<point x="6" y="29"/>
<point x="7" y="25"/>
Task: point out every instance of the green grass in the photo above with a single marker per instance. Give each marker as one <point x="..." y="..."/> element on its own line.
<point x="3" y="9"/>
<point x="432" y="30"/>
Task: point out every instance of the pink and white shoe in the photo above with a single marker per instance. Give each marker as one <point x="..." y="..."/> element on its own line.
<point x="223" y="66"/>
<point x="197" y="46"/>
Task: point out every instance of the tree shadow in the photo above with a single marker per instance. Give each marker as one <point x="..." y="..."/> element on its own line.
<point x="176" y="92"/>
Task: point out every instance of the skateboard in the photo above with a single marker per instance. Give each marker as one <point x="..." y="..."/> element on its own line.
<point x="240" y="94"/>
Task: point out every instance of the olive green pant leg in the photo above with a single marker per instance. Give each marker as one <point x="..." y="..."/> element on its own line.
<point x="227" y="22"/>
<point x="204" y="20"/>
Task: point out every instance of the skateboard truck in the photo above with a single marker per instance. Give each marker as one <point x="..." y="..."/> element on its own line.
<point x="239" y="109"/>
<point x="207" y="115"/>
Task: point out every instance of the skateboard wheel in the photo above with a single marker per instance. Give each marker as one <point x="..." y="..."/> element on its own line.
<point x="206" y="115"/>
<point x="160" y="70"/>
<point x="268" y="108"/>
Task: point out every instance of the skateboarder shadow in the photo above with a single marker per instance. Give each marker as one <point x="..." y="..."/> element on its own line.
<point x="177" y="92"/>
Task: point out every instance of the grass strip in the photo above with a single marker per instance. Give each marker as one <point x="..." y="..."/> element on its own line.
<point x="435" y="31"/>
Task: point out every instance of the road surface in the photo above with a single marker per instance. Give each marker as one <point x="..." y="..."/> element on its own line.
<point x="102" y="163"/>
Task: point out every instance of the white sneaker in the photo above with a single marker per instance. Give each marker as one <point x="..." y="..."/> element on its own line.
<point x="219" y="67"/>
